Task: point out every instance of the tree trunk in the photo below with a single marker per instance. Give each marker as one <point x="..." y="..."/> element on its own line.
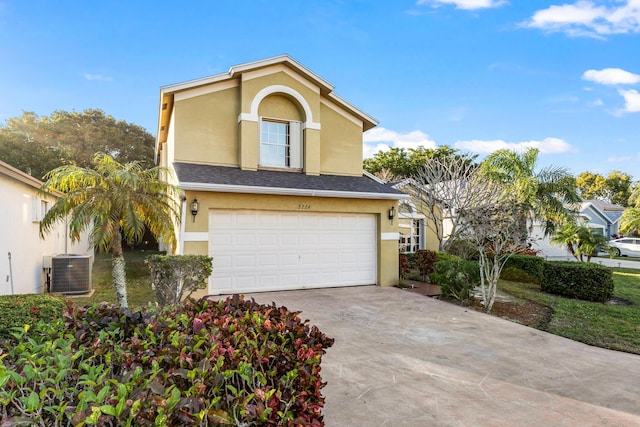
<point x="118" y="272"/>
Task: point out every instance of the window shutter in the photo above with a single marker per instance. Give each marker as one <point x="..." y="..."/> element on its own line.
<point x="35" y="209"/>
<point x="295" y="145"/>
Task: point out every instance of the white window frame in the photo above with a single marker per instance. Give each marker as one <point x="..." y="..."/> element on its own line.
<point x="295" y="143"/>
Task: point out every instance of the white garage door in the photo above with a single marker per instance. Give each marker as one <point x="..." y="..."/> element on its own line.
<point x="257" y="251"/>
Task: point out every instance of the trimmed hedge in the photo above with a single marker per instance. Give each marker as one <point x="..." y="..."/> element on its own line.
<point x="231" y="362"/>
<point x="585" y="281"/>
<point x="28" y="309"/>
<point x="532" y="266"/>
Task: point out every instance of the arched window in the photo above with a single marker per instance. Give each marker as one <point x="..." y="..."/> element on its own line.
<point x="281" y="138"/>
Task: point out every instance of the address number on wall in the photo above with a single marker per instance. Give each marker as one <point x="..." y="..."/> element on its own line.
<point x="304" y="207"/>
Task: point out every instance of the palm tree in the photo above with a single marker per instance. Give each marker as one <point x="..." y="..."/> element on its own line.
<point x="567" y="236"/>
<point x="630" y="220"/>
<point x="543" y="194"/>
<point x="580" y="240"/>
<point x="113" y="201"/>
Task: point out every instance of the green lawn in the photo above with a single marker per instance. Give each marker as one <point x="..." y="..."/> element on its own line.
<point x="613" y="326"/>
<point x="139" y="291"/>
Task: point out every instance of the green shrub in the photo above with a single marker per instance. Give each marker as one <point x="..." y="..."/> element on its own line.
<point x="20" y="310"/>
<point x="585" y="281"/>
<point x="531" y="269"/>
<point x="232" y="362"/>
<point x="445" y="256"/>
<point x="457" y="278"/>
<point x="174" y="277"/>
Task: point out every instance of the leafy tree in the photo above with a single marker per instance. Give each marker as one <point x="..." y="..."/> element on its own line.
<point x="618" y="186"/>
<point x="37" y="145"/>
<point x="634" y="199"/>
<point x="614" y="188"/>
<point x="591" y="185"/>
<point x="398" y="163"/>
<point x="541" y="195"/>
<point x="113" y="201"/>
<point x="581" y="241"/>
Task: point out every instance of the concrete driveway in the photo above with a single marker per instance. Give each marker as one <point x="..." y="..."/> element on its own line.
<point x="402" y="359"/>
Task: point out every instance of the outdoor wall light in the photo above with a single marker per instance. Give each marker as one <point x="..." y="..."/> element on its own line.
<point x="392" y="213"/>
<point x="194" y="209"/>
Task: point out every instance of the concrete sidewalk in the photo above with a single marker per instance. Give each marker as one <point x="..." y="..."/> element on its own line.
<point x="402" y="359"/>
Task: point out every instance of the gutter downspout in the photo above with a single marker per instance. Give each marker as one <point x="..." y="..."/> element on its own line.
<point x="182" y="227"/>
<point x="10" y="273"/>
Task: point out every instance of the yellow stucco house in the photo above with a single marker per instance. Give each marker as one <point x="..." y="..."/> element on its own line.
<point x="269" y="160"/>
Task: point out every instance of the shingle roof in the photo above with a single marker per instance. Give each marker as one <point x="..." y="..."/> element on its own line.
<point x="233" y="176"/>
<point x="610" y="211"/>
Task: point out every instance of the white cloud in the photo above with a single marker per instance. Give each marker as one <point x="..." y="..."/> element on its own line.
<point x="618" y="159"/>
<point x="97" y="77"/>
<point x="386" y="139"/>
<point x="597" y="103"/>
<point x="611" y="76"/>
<point x="631" y="100"/>
<point x="546" y="146"/>
<point x="589" y="18"/>
<point x="466" y="4"/>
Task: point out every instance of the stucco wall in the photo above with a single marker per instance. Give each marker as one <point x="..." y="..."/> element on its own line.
<point x="340" y="144"/>
<point x="206" y="128"/>
<point x="20" y="237"/>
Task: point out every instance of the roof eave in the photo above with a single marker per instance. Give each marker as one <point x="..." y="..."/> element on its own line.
<point x="247" y="189"/>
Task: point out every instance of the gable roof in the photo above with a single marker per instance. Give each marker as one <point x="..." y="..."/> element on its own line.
<point x="235" y="180"/>
<point x="326" y="89"/>
<point x="608" y="211"/>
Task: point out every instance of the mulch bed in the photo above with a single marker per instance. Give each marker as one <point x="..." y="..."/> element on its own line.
<point x="526" y="313"/>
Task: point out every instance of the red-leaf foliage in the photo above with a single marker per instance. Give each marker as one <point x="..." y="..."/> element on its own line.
<point x="232" y="362"/>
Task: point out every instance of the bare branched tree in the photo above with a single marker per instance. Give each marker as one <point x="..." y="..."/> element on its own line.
<point x="386" y="175"/>
<point x="444" y="187"/>
<point x="493" y="228"/>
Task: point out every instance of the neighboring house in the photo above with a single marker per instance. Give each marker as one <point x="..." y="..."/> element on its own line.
<point x="21" y="249"/>
<point x="270" y="163"/>
<point x="600" y="216"/>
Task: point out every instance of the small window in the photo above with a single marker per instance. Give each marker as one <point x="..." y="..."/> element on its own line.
<point x="280" y="144"/>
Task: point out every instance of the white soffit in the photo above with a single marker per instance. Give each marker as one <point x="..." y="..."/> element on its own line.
<point x="224" y="188"/>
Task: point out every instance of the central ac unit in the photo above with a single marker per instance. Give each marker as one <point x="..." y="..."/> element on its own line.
<point x="71" y="274"/>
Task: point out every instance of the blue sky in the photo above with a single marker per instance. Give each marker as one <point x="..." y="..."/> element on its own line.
<point x="560" y="75"/>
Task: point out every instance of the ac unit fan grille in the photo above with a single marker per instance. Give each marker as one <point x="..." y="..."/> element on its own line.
<point x="71" y="274"/>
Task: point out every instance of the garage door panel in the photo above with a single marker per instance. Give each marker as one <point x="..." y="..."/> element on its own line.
<point x="267" y="259"/>
<point x="246" y="261"/>
<point x="268" y="250"/>
<point x="289" y="239"/>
